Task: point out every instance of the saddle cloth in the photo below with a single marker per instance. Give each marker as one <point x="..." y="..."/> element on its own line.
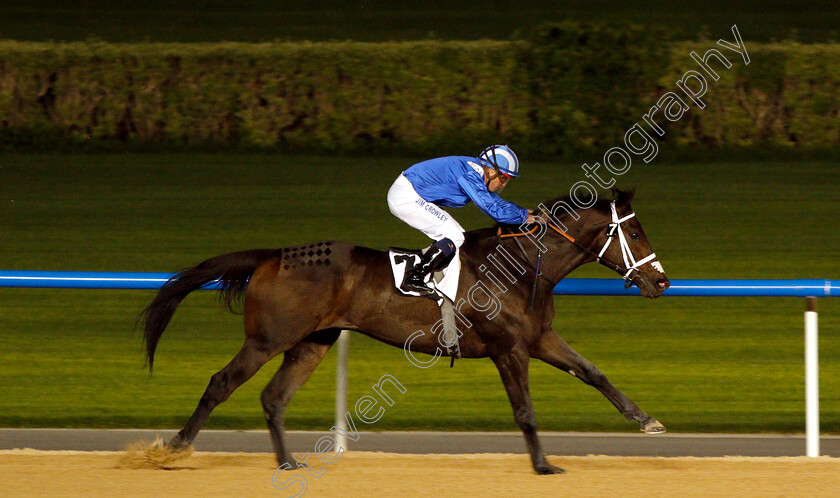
<point x="444" y="282"/>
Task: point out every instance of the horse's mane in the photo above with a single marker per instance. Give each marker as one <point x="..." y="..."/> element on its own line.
<point x="621" y="197"/>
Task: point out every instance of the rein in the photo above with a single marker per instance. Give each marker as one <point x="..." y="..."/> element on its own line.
<point x="631" y="266"/>
<point x="537" y="272"/>
<point x="523" y="234"/>
<point x="515" y="236"/>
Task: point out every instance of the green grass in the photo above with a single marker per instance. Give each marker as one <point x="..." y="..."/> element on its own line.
<point x="379" y="20"/>
<point x="73" y="358"/>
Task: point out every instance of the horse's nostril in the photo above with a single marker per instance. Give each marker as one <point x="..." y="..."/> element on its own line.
<point x="663" y="284"/>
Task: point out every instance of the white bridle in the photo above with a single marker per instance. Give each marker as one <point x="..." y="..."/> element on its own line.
<point x="629" y="261"/>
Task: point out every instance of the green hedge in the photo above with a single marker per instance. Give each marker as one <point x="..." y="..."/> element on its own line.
<point x="587" y="84"/>
<point x="787" y="96"/>
<point x="325" y="96"/>
<point x="570" y="87"/>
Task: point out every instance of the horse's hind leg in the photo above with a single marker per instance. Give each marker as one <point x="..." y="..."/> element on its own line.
<point x="298" y="364"/>
<point x="513" y="367"/>
<point x="242" y="367"/>
<point x="557" y="352"/>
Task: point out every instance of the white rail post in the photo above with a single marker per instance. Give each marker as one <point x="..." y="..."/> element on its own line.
<point x="812" y="390"/>
<point x="341" y="390"/>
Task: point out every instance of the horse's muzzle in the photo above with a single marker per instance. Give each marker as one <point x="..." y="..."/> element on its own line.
<point x="652" y="287"/>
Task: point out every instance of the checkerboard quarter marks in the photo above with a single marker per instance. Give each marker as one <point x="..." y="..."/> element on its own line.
<point x="311" y="255"/>
<point x="296" y="300"/>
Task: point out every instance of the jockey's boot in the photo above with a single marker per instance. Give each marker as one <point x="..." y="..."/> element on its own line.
<point x="434" y="258"/>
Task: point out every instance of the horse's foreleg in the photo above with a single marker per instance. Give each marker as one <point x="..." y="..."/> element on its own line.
<point x="513" y="367"/>
<point x="298" y="364"/>
<point x="557" y="352"/>
<point x="242" y="367"/>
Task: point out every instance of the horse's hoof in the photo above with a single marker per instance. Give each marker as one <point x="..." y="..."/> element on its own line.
<point x="175" y="444"/>
<point x="157" y="455"/>
<point x="653" y="427"/>
<point x="546" y="469"/>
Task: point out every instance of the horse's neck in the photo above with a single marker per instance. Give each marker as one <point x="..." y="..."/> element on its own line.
<point x="561" y="259"/>
<point x="573" y="259"/>
<point x="574" y="255"/>
<point x="556" y="263"/>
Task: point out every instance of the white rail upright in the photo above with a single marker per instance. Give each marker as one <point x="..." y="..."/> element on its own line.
<point x="341" y="391"/>
<point x="812" y="382"/>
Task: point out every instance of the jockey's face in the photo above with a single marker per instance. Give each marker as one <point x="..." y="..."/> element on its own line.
<point x="497" y="180"/>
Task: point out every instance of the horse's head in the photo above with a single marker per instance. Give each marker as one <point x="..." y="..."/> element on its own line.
<point x="621" y="244"/>
<point x="610" y="233"/>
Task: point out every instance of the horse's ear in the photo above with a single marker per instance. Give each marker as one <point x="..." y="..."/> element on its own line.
<point x="623" y="197"/>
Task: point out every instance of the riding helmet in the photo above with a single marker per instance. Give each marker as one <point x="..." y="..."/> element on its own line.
<point x="500" y="157"/>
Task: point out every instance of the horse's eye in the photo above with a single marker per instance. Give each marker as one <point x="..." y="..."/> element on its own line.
<point x="634" y="236"/>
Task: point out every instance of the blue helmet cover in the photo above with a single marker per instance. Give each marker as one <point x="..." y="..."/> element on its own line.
<point x="500" y="157"/>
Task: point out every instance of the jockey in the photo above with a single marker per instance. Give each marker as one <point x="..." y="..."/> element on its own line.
<point x="452" y="181"/>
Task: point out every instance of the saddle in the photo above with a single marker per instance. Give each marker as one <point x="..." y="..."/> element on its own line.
<point x="443" y="282"/>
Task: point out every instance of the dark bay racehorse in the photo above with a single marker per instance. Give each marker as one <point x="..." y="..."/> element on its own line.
<point x="297" y="300"/>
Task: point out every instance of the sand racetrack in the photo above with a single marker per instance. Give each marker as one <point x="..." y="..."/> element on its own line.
<point x="74" y="473"/>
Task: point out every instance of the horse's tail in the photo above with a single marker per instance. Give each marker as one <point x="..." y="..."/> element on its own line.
<point x="232" y="271"/>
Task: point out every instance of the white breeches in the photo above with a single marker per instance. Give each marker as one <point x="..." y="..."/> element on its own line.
<point x="425" y="216"/>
